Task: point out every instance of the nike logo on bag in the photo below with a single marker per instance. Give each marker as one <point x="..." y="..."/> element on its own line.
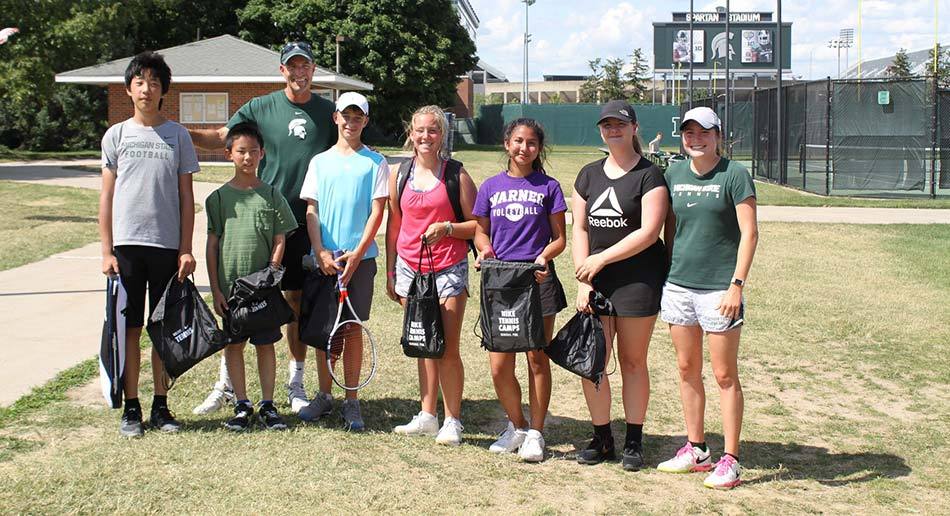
<point x="691" y="204"/>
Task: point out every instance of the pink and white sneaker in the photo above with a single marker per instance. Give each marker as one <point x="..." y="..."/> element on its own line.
<point x="726" y="475"/>
<point x="687" y="460"/>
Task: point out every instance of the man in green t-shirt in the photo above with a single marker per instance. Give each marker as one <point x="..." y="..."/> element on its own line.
<point x="296" y="126"/>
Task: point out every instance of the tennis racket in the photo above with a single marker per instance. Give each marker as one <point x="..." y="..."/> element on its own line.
<point x="350" y="350"/>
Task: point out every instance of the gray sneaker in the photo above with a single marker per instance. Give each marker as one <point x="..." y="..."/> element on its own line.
<point x="131" y="425"/>
<point x="319" y="406"/>
<point x="352" y="419"/>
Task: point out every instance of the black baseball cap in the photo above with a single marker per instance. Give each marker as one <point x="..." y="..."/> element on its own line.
<point x="296" y="48"/>
<point x="619" y="109"/>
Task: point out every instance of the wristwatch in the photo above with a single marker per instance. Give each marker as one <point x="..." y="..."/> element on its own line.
<point x="738" y="282"/>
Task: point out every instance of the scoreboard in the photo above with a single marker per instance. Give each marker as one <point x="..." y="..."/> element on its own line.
<point x="749" y="46"/>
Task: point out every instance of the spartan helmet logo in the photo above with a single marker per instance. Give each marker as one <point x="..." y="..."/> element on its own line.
<point x="296" y="128"/>
<point x="682" y="37"/>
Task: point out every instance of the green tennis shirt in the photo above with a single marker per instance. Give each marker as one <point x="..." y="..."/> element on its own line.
<point x="706" y="242"/>
<point x="293" y="133"/>
<point x="245" y="222"/>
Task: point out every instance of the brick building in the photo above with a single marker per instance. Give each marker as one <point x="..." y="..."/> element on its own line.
<point x="211" y="79"/>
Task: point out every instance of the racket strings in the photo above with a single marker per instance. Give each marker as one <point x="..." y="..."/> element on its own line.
<point x="351" y="360"/>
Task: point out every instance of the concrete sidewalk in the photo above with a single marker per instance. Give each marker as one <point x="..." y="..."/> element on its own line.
<point x="51" y="310"/>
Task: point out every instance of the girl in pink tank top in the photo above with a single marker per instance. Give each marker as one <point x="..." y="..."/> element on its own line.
<point x="420" y="210"/>
<point x="425" y="212"/>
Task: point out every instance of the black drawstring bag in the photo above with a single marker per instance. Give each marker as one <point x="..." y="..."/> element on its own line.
<point x="256" y="304"/>
<point x="581" y="346"/>
<point x="318" y="306"/>
<point x="183" y="329"/>
<point x="510" y="316"/>
<point x="422" y="333"/>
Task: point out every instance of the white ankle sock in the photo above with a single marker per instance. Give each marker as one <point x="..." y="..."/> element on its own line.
<point x="224" y="381"/>
<point x="296" y="370"/>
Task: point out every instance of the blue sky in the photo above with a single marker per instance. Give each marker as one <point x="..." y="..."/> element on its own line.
<point x="566" y="34"/>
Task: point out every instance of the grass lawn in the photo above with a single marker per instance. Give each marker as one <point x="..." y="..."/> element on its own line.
<point x="37" y="221"/>
<point x="7" y="154"/>
<point x="843" y="365"/>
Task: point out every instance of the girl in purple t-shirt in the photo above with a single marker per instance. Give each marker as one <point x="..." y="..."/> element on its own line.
<point x="521" y="218"/>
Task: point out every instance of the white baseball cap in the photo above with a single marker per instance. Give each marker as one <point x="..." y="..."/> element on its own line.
<point x="703" y="116"/>
<point x="351" y="98"/>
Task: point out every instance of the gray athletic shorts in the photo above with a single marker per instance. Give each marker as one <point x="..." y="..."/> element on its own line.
<point x="685" y="306"/>
<point x="450" y="282"/>
<point x="360" y="288"/>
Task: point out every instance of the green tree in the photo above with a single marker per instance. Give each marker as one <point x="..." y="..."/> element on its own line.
<point x="942" y="72"/>
<point x="412" y="51"/>
<point x="612" y="84"/>
<point x="636" y="77"/>
<point x="900" y="67"/>
<point x="58" y="35"/>
<point x="589" y="91"/>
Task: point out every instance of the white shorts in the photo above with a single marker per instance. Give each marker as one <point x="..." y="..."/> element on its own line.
<point x="685" y="306"/>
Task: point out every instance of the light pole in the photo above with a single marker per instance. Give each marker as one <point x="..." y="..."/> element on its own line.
<point x="836" y="43"/>
<point x="527" y="39"/>
<point x="339" y="39"/>
<point x="846" y="39"/>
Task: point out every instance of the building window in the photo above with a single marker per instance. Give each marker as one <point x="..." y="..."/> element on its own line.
<point x="204" y="108"/>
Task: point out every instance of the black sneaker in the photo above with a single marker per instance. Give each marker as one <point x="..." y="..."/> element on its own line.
<point x="269" y="418"/>
<point x="162" y="419"/>
<point x="632" y="458"/>
<point x="597" y="451"/>
<point x="131" y="425"/>
<point x="242" y="418"/>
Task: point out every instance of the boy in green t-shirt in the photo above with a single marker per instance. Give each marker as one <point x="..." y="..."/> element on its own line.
<point x="247" y="220"/>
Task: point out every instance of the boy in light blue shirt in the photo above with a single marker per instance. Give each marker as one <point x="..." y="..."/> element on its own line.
<point x="346" y="189"/>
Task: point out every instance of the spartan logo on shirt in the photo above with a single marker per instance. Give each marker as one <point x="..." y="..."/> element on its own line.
<point x="296" y="128"/>
<point x="606" y="212"/>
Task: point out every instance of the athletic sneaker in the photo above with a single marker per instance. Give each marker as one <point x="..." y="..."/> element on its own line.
<point x="242" y="418"/>
<point x="451" y="432"/>
<point x="688" y="459"/>
<point x="509" y="440"/>
<point x="422" y="423"/>
<point x="269" y="418"/>
<point x="632" y="458"/>
<point x="162" y="419"/>
<point x="352" y="419"/>
<point x="319" y="406"/>
<point x="726" y="475"/>
<point x="297" y="397"/>
<point x="597" y="451"/>
<point x="532" y="450"/>
<point x="217" y="399"/>
<point x="131" y="425"/>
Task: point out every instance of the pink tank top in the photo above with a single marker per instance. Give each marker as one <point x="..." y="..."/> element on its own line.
<point x="419" y="211"/>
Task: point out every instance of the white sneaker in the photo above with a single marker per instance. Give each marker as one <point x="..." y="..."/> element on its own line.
<point x="687" y="459"/>
<point x="297" y="397"/>
<point x="451" y="432"/>
<point x="509" y="440"/>
<point x="532" y="450"/>
<point x="422" y="423"/>
<point x="726" y="475"/>
<point x="218" y="398"/>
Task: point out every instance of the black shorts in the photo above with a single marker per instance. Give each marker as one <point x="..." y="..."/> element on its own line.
<point x="143" y="266"/>
<point x="634" y="290"/>
<point x="262" y="338"/>
<point x="553" y="299"/>
<point x="296" y="247"/>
